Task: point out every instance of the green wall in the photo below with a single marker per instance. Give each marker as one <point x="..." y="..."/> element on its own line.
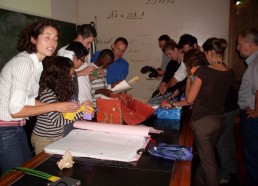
<point x="11" y="23"/>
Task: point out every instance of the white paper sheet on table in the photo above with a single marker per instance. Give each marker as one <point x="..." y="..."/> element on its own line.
<point x="119" y="143"/>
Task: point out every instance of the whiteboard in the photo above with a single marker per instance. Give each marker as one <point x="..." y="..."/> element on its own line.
<point x="143" y="21"/>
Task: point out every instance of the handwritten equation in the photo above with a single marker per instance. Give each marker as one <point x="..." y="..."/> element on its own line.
<point x="130" y="15"/>
<point x="159" y="2"/>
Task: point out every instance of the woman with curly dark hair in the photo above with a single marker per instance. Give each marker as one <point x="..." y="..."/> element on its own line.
<point x="56" y="85"/>
<point x="19" y="82"/>
<point x="193" y="59"/>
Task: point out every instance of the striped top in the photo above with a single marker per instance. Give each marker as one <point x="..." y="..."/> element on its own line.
<point x="51" y="124"/>
<point x="96" y="84"/>
<point x="19" y="82"/>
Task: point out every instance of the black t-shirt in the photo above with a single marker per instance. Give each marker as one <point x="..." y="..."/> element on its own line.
<point x="211" y="97"/>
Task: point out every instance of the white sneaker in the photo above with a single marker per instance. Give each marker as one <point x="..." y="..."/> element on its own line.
<point x="223" y="180"/>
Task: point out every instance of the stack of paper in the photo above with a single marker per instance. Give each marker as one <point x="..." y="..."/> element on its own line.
<point x="103" y="141"/>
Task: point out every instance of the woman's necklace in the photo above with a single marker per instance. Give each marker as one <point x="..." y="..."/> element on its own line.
<point x="217" y="65"/>
<point x="217" y="62"/>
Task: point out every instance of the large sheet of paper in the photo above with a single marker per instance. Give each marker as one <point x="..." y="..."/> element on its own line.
<point x="99" y="145"/>
<point x="116" y="128"/>
<point x="103" y="141"/>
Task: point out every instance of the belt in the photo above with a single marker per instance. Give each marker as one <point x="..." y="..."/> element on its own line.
<point x="12" y="123"/>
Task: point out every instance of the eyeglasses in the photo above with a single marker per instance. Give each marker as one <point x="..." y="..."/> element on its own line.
<point x="82" y="59"/>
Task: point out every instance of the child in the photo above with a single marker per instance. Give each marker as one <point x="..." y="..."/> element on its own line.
<point x="98" y="79"/>
<point x="56" y="85"/>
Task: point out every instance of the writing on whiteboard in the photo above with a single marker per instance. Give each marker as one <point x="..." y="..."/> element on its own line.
<point x="159" y="2"/>
<point x="104" y="41"/>
<point x="129" y="15"/>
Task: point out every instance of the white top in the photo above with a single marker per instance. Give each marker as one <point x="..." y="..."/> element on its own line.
<point x="84" y="85"/>
<point x="19" y="82"/>
<point x="181" y="72"/>
<point x="61" y="53"/>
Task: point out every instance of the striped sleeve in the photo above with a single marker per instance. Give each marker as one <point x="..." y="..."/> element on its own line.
<point x="56" y="117"/>
<point x="21" y="75"/>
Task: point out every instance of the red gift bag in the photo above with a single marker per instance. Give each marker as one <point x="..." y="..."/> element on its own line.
<point x="133" y="111"/>
<point x="109" y="111"/>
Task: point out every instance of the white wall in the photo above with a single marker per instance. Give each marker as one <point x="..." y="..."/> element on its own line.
<point x="201" y="18"/>
<point x="64" y="10"/>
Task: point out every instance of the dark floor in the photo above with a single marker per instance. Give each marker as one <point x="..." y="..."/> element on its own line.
<point x="235" y="179"/>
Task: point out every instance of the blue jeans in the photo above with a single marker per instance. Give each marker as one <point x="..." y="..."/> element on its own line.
<point x="14" y="149"/>
<point x="250" y="143"/>
<point x="226" y="146"/>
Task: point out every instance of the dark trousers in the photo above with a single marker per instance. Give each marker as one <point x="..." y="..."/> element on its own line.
<point x="250" y="142"/>
<point x="14" y="149"/>
<point x="206" y="134"/>
<point x="226" y="146"/>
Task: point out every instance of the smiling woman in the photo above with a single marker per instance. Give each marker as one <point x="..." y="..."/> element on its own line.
<point x="19" y="80"/>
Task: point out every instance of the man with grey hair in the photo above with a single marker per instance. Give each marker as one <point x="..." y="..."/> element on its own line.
<point x="248" y="102"/>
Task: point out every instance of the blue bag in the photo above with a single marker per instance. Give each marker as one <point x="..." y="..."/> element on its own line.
<point x="169" y="113"/>
<point x="172" y="152"/>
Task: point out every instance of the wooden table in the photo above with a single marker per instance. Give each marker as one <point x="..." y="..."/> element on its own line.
<point x="147" y="171"/>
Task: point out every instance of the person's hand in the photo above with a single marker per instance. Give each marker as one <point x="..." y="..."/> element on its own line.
<point x="175" y="93"/>
<point x="88" y="106"/>
<point x="163" y="88"/>
<point x="251" y="113"/>
<point x="88" y="70"/>
<point x="160" y="72"/>
<point x="66" y="106"/>
<point x="87" y="103"/>
<point x="101" y="72"/>
<point x="166" y="104"/>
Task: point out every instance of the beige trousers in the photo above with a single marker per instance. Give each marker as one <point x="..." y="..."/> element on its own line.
<point x="39" y="143"/>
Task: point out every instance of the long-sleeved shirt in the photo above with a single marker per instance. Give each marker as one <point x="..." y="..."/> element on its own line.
<point x="19" y="82"/>
<point x="51" y="124"/>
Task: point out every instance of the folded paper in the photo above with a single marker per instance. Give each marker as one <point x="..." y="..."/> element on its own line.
<point x="123" y="85"/>
<point x="71" y="115"/>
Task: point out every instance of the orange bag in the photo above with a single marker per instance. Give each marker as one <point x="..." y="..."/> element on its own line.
<point x="133" y="111"/>
<point x="109" y="111"/>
